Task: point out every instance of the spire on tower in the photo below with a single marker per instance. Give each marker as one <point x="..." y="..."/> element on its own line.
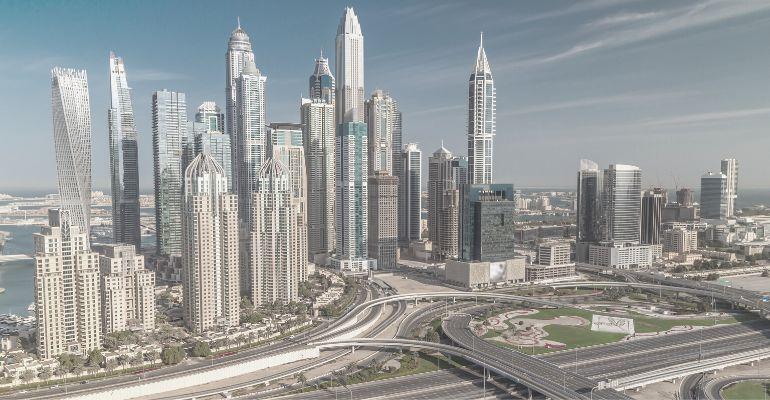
<point x="239" y="21"/>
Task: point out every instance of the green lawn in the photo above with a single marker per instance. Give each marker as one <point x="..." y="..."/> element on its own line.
<point x="747" y="390"/>
<point x="582" y="336"/>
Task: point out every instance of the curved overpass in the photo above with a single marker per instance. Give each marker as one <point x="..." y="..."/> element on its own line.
<point x="712" y="389"/>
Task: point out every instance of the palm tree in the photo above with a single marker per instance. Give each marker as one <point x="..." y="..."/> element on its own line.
<point x="302" y="379"/>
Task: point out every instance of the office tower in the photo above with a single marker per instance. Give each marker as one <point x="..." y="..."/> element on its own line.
<point x="553" y="253"/>
<point x="488" y="228"/>
<point x="276" y="258"/>
<point x="250" y="136"/>
<point x="684" y="197"/>
<point x="238" y="55"/>
<point x="481" y="119"/>
<point x="210" y="273"/>
<point x="714" y="196"/>
<point x="127" y="289"/>
<point x="71" y="111"/>
<point x="211" y="115"/>
<point x="653" y="202"/>
<point x="351" y="202"/>
<point x="124" y="158"/>
<point x="318" y="138"/>
<point x="621" y="203"/>
<point x="349" y="69"/>
<point x="730" y="170"/>
<point x="680" y="240"/>
<point x="286" y="147"/>
<point x="410" y="196"/>
<point x="383" y="219"/>
<point x="446" y="175"/>
<point x="322" y="81"/>
<point x="169" y="139"/>
<point x="66" y="288"/>
<point x="383" y="122"/>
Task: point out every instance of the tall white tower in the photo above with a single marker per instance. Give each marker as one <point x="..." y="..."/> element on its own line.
<point x="238" y="53"/>
<point x="250" y="143"/>
<point x="349" y="69"/>
<point x="481" y="120"/>
<point x="72" y="141"/>
<point x="730" y="170"/>
<point x="210" y="273"/>
<point x="384" y="127"/>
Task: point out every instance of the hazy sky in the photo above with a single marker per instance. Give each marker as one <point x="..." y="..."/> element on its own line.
<point x="672" y="87"/>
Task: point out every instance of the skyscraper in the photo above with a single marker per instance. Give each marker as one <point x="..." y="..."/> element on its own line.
<point x="250" y="136"/>
<point x="488" y="228"/>
<point x="653" y="202"/>
<point x="210" y="273"/>
<point x="322" y="82"/>
<point x="730" y="170"/>
<point x="621" y="204"/>
<point x="349" y="69"/>
<point x="714" y="196"/>
<point x="684" y="197"/>
<point x="286" y="147"/>
<point x="410" y="195"/>
<point x="71" y="111"/>
<point x="208" y="136"/>
<point x="383" y="219"/>
<point x="318" y="137"/>
<point x="238" y="55"/>
<point x="352" y="196"/>
<point x="446" y="175"/>
<point x="127" y="289"/>
<point x="481" y="119"/>
<point x="66" y="289"/>
<point x="275" y="254"/>
<point x="124" y="158"/>
<point x="383" y="123"/>
<point x="169" y="137"/>
<point x="589" y="198"/>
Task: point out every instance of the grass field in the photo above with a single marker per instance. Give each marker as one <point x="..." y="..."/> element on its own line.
<point x="747" y="390"/>
<point x="582" y="336"/>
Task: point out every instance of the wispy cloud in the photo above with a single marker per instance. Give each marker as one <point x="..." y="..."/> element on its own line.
<point x="153" y="75"/>
<point x="626" y="98"/>
<point x="435" y="110"/>
<point x="623" y="19"/>
<point x="659" y="23"/>
<point x="575" y="8"/>
<point x="709" y="117"/>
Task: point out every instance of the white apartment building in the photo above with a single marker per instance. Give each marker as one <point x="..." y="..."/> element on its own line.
<point x="621" y="255"/>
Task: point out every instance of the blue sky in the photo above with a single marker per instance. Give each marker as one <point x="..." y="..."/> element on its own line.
<point x="672" y="87"/>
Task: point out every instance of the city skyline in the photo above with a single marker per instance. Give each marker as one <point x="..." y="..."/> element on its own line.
<point x="571" y="117"/>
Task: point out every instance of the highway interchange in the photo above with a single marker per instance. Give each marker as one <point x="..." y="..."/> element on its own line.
<point x="571" y="374"/>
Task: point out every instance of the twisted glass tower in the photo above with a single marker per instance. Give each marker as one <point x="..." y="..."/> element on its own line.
<point x="124" y="159"/>
<point x="481" y="120"/>
<point x="72" y="141"/>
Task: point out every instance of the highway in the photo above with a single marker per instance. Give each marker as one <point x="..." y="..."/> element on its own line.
<point x="545" y="377"/>
<point x="445" y="384"/>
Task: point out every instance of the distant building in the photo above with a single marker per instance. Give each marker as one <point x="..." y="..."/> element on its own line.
<point x="621" y="203"/>
<point x="318" y="137"/>
<point x="680" y="240"/>
<point x="621" y="255"/>
<point x="446" y="175"/>
<point x="684" y="197"/>
<point x="553" y="253"/>
<point x="589" y="198"/>
<point x="210" y="273"/>
<point x="482" y="274"/>
<point x="488" y="227"/>
<point x="713" y="196"/>
<point x="67" y="300"/>
<point x="384" y="129"/>
<point x="169" y="136"/>
<point x="321" y="82"/>
<point x="383" y="219"/>
<point x="730" y="171"/>
<point x="208" y="135"/>
<point x="410" y="195"/>
<point x="653" y="201"/>
<point x="127" y="289"/>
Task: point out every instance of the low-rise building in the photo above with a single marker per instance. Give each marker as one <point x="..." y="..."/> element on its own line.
<point x="680" y="240"/>
<point x="536" y="273"/>
<point x="481" y="274"/>
<point x="621" y="255"/>
<point x="554" y="253"/>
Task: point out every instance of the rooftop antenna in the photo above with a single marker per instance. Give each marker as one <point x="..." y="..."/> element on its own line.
<point x="481" y="41"/>
<point x="239" y="21"/>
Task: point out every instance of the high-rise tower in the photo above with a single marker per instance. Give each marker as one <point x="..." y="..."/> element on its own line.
<point x="653" y="202"/>
<point x="250" y="144"/>
<point x="72" y="141"/>
<point x="349" y="69"/>
<point x="730" y="170"/>
<point x="410" y="195"/>
<point x="318" y="135"/>
<point x="322" y="81"/>
<point x="714" y="199"/>
<point x="169" y="137"/>
<point x="481" y="119"/>
<point x="351" y="206"/>
<point x="209" y="136"/>
<point x="384" y="126"/>
<point x="622" y="203"/>
<point x="210" y="273"/>
<point x="238" y="54"/>
<point x="124" y="158"/>
<point x="589" y="201"/>
<point x="446" y="176"/>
